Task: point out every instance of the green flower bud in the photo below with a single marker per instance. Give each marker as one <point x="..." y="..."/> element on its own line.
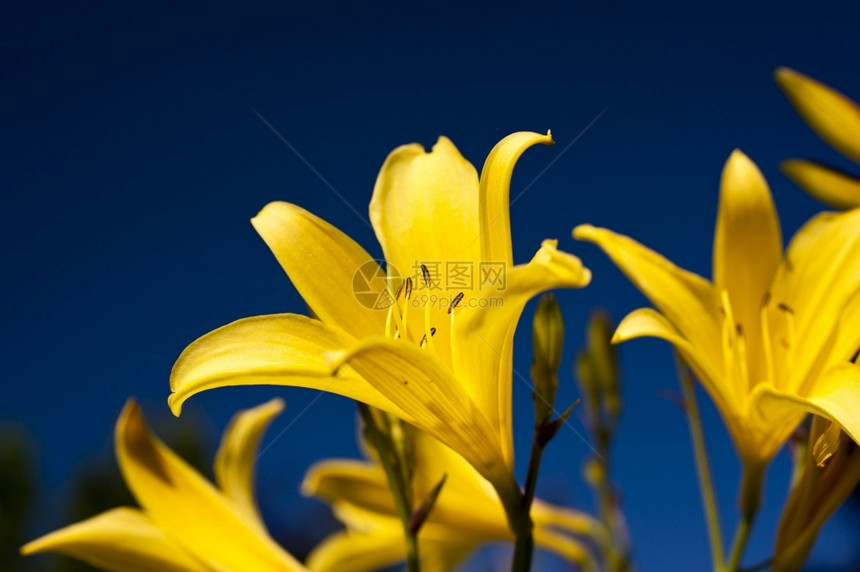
<point x="548" y="341"/>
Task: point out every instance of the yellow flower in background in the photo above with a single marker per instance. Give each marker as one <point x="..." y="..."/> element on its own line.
<point x="772" y="336"/>
<point x="836" y="119"/>
<point x="466" y="515"/>
<point x="444" y="370"/>
<point x="184" y="523"/>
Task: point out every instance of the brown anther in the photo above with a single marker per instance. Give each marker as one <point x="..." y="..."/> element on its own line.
<point x="785" y="308"/>
<point x="399" y="291"/>
<point x="426" y="273"/>
<point x="457" y="299"/>
<point x="740" y="329"/>
<point x="408" y="287"/>
<point x="424" y="337"/>
<point x="765" y="299"/>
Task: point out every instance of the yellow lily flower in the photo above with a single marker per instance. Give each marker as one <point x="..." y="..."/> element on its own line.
<point x="444" y="370"/>
<point x="772" y="336"/>
<point x="836" y="119"/>
<point x="467" y="514"/>
<point x="184" y="523"/>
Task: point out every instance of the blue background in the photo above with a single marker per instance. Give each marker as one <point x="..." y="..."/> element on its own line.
<point x="131" y="162"/>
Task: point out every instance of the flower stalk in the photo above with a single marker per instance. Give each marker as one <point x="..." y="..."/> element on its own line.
<point x="392" y="457"/>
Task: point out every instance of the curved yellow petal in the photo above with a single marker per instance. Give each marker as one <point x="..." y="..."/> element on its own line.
<point x="352" y="551"/>
<point x="358" y="483"/>
<point x="567" y="520"/>
<point x="820" y="275"/>
<point x="484" y="328"/>
<point x="281" y="349"/>
<point x="833" y="116"/>
<point x="187" y="507"/>
<point x="235" y="460"/>
<point x="425" y="207"/>
<point x="568" y="548"/>
<point x="828" y="185"/>
<point x="835" y="396"/>
<point x="121" y="539"/>
<point x="687" y="300"/>
<point x="495" y="218"/>
<point x="322" y="263"/>
<point x="434" y="400"/>
<point x="646" y="322"/>
<point x="747" y="251"/>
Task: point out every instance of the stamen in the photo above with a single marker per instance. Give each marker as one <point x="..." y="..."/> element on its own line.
<point x="399" y="292"/>
<point x="742" y="356"/>
<point x="765" y="337"/>
<point x="457" y="299"/>
<point x="424" y="339"/>
<point x="408" y="287"/>
<point x="788" y="342"/>
<point x="426" y="273"/>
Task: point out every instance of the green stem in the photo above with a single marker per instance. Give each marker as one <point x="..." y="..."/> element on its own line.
<point x="703" y="469"/>
<point x="392" y="464"/>
<point x="524" y="546"/>
<point x="750" y="497"/>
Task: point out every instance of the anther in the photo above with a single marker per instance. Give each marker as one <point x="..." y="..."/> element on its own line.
<point x="426" y="273"/>
<point x="424" y="338"/>
<point x="785" y="308"/>
<point x="457" y="299"/>
<point x="399" y="291"/>
<point x="408" y="287"/>
<point x="765" y="299"/>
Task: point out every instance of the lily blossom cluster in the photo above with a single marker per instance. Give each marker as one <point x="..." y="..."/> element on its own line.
<point x="772" y="337"/>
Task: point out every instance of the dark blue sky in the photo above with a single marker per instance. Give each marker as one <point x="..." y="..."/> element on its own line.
<point x="131" y="161"/>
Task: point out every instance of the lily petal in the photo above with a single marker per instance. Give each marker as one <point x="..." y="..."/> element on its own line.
<point x="483" y="333"/>
<point x="280" y="349"/>
<point x="425" y="207"/>
<point x="358" y="483"/>
<point x="432" y="397"/>
<point x="835" y="396"/>
<point x="820" y="275"/>
<point x="235" y="461"/>
<point x="687" y="300"/>
<point x="833" y="116"/>
<point x="120" y="539"/>
<point x="322" y="263"/>
<point x="572" y="550"/>
<point x="828" y="185"/>
<point x="747" y="250"/>
<point x="495" y="219"/>
<point x="187" y="507"/>
<point x="352" y="551"/>
<point x="646" y="322"/>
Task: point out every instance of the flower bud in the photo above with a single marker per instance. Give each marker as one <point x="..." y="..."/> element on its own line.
<point x="547" y="340"/>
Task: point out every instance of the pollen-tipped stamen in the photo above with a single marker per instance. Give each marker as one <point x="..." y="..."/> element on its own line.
<point x="765" y="338"/>
<point x="428" y="336"/>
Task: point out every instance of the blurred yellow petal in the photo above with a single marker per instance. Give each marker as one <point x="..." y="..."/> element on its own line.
<point x="235" y="461"/>
<point x="483" y="332"/>
<point x="495" y="218"/>
<point x="829" y="113"/>
<point x="566" y="520"/>
<point x="433" y="398"/>
<point x="747" y="250"/>
<point x="572" y="550"/>
<point x="835" y="396"/>
<point x="187" y="507"/>
<point x="686" y="299"/>
<point x="281" y="349"/>
<point x="120" y="540"/>
<point x="359" y="483"/>
<point x="425" y="207"/>
<point x="828" y="185"/>
<point x="321" y="262"/>
<point x="352" y="551"/>
<point x="814" y="285"/>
